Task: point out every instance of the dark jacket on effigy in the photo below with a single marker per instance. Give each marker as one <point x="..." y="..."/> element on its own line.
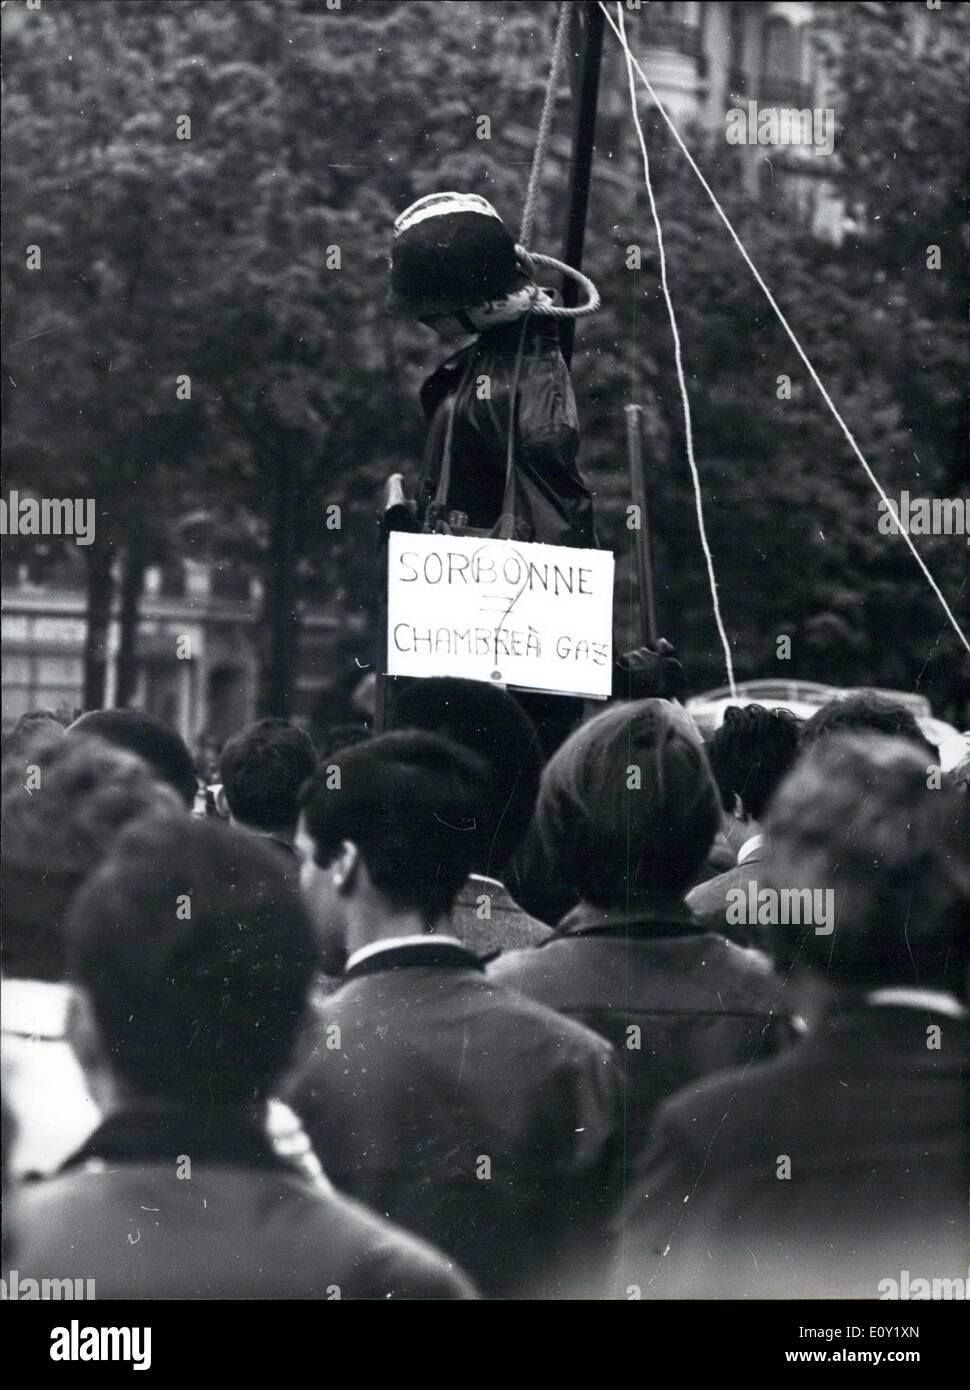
<point x="552" y="503"/>
<point x="677" y="1002"/>
<point x="486" y="1123"/>
<point x="821" y="1173"/>
<point x="234" y="1221"/>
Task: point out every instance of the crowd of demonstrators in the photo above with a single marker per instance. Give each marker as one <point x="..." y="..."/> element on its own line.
<point x="185" y="1023"/>
<point x="843" y="1161"/>
<point x="626" y="816"/>
<point x="463" y="1010"/>
<point x="483" y="1121"/>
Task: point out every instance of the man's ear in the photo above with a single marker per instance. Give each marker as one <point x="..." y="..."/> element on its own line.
<point x="346" y="867"/>
<point x="222" y="805"/>
<point x="739" y="812"/>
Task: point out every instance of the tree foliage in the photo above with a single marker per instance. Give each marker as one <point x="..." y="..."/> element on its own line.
<point x="251" y="258"/>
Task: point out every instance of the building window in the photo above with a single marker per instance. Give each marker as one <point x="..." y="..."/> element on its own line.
<point x="781" y="83"/>
<point x="665" y="26"/>
<point x="737" y="79"/>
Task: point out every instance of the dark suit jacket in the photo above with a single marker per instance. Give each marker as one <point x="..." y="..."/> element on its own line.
<point x="239" y="1223"/>
<point x="709" y="902"/>
<point x="875" y="1126"/>
<point x="676" y="1002"/>
<point x="486" y="1123"/>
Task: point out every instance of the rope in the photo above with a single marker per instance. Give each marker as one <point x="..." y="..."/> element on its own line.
<point x="850" y="437"/>
<point x="678" y="358"/>
<point x="539" y="308"/>
<point x="545" y="125"/>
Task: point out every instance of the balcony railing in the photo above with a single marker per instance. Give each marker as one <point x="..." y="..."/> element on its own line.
<point x="672" y="34"/>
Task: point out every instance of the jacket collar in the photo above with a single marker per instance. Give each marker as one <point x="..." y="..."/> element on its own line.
<point x="427" y="953"/>
<point x="35" y="1009"/>
<point x="753" y="850"/>
<point x="659" y="917"/>
<point x="133" y="1136"/>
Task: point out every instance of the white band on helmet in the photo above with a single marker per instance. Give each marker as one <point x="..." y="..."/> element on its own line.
<point x="439" y="205"/>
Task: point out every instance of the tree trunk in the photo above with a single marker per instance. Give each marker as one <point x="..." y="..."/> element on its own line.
<point x="132" y="582"/>
<point x="100" y="592"/>
<point x="280" y="618"/>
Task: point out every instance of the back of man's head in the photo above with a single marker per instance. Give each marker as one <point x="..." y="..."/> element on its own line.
<point x="195" y="954"/>
<point x="411" y="803"/>
<point x="149" y="739"/>
<point x="866" y="712"/>
<point x="493" y="725"/>
<point x="628" y="806"/>
<point x="61" y="815"/>
<point x="750" y="753"/>
<point x="262" y="770"/>
<point x="857" y="817"/>
<point x="37" y="726"/>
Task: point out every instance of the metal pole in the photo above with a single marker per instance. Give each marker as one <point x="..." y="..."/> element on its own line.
<point x="638" y="488"/>
<point x="588" y="23"/>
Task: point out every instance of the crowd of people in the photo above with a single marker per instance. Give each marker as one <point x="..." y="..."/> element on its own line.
<point x="436" y="1015"/>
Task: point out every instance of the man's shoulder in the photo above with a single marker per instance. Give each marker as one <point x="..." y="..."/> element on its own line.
<point x="734" y="1102"/>
<point x="330" y="1240"/>
<point x="402" y="1264"/>
<point x="521" y="1013"/>
<point x="711" y="895"/>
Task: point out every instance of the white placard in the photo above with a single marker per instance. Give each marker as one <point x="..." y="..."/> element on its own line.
<point x="506" y="612"/>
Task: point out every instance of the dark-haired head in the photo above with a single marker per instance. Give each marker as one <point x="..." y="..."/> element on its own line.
<point x="390" y="828"/>
<point x="628" y="808"/>
<point x="750" y="754"/>
<point x="262" y="770"/>
<point x="866" y="712"/>
<point x="62" y="811"/>
<point x="858" y="816"/>
<point x="491" y="723"/>
<point x="195" y="957"/>
<point x="147" y="737"/>
<point x="37" y="726"/>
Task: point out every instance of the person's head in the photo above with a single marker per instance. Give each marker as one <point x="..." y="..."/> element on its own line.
<point x="750" y="754"/>
<point x="628" y="808"/>
<point x="262" y="770"/>
<point x="451" y="254"/>
<point x="856" y="817"/>
<point x="61" y="813"/>
<point x="36" y="726"/>
<point x="389" y="830"/>
<point x="866" y="711"/>
<point x="194" y="958"/>
<point x="147" y="737"/>
<point x="335" y="736"/>
<point x="492" y="724"/>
